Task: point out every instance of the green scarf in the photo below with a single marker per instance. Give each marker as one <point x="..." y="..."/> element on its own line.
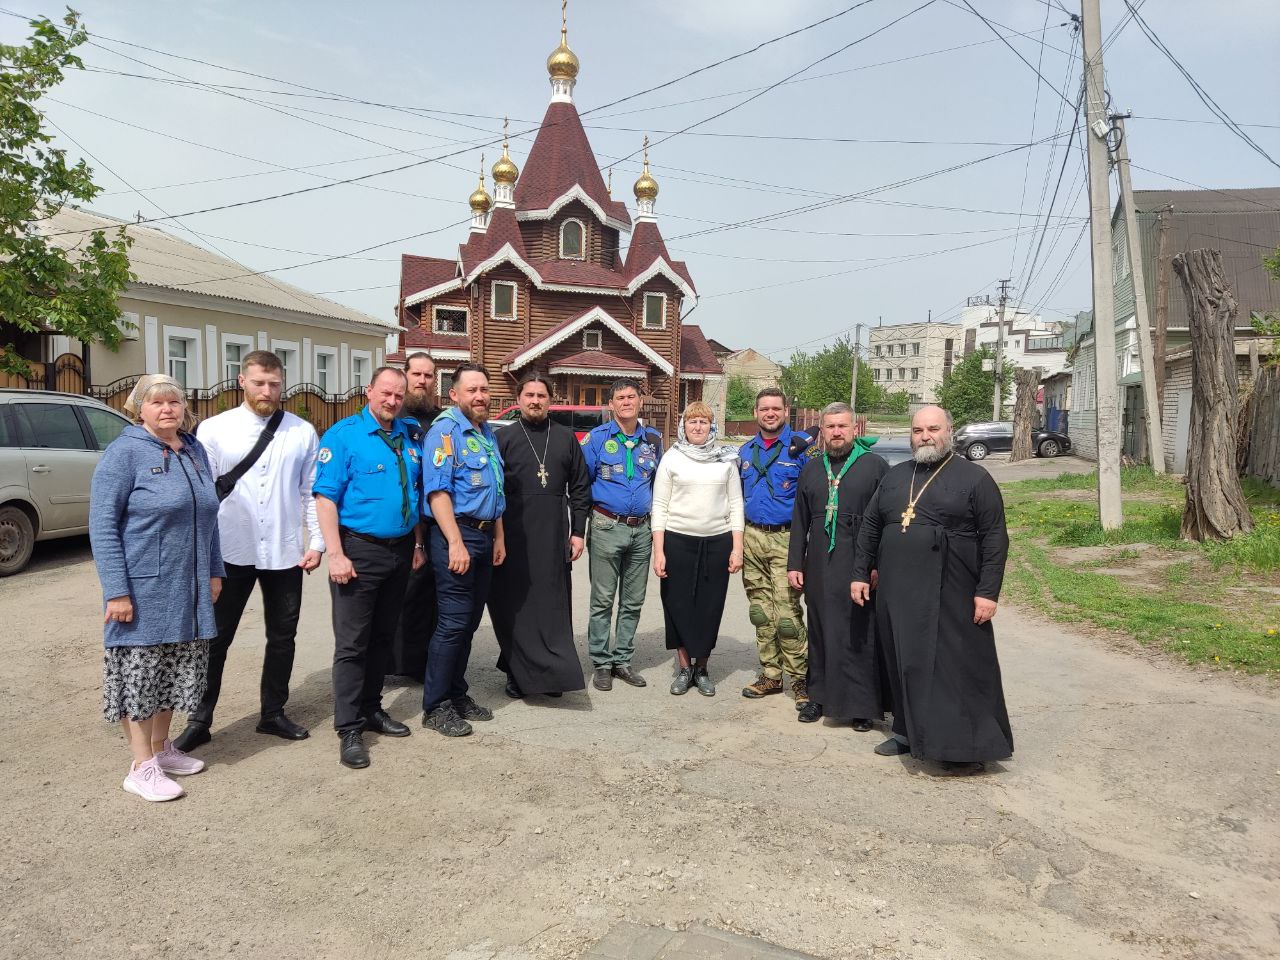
<point x="860" y="446"/>
<point x="396" y="443"/>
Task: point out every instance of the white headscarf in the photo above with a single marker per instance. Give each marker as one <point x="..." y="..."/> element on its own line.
<point x="706" y="452"/>
<point x="146" y="383"/>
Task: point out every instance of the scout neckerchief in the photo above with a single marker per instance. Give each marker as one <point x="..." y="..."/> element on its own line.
<point x="860" y="446"/>
<point x="491" y="457"/>
<point x="396" y="442"/>
<point x="629" y="445"/>
<point x="913" y="498"/>
<point x="770" y="458"/>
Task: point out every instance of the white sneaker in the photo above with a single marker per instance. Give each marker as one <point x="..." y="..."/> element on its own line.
<point x="173" y="760"/>
<point x="148" y="781"/>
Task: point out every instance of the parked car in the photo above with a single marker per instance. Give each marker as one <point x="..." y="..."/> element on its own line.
<point x="50" y="444"/>
<point x="977" y="440"/>
<point x="895" y="450"/>
<point x="580" y="419"/>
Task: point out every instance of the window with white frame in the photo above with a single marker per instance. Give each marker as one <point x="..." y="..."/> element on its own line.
<point x="875" y="371"/>
<point x="592" y="340"/>
<point x="232" y="360"/>
<point x="902" y="373"/>
<point x="287" y="351"/>
<point x="915" y="373"/>
<point x="915" y="349"/>
<point x="573" y="240"/>
<point x="1120" y="253"/>
<point x="451" y="320"/>
<point x="502" y="298"/>
<point x="182" y="356"/>
<point x="326" y="370"/>
<point x="361" y="367"/>
<point x="877" y="349"/>
<point x="655" y="311"/>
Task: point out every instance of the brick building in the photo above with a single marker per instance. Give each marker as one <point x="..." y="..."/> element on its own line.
<point x="543" y="281"/>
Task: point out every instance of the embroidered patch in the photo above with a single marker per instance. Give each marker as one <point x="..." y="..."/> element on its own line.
<point x="484" y="461"/>
<point x="477" y="478"/>
<point x="413" y="454"/>
<point x="325" y="455"/>
<point x="446" y="444"/>
<point x="586" y="438"/>
<point x="646" y="449"/>
<point x="473" y="444"/>
<point x="611" y="446"/>
<point x="786" y="484"/>
<point x="438" y="458"/>
<point x="605" y="471"/>
<point x="746" y="468"/>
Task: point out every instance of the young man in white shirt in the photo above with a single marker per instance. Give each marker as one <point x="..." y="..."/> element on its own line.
<point x="261" y="525"/>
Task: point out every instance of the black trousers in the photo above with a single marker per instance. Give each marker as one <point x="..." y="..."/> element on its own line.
<point x="366" y="610"/>
<point x="281" y="604"/>
<point x="417" y="624"/>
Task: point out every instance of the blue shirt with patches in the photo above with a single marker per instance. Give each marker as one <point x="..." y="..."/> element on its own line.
<point x="769" y="476"/>
<point x="605" y="449"/>
<point x="463" y="460"/>
<point x="357" y="469"/>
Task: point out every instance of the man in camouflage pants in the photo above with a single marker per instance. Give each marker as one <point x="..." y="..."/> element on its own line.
<point x="770" y="463"/>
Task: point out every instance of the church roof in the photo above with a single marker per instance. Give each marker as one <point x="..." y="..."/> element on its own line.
<point x="561" y="159"/>
<point x="646" y="248"/>
<point x="480" y="247"/>
<point x="696" y="355"/>
<point x="597" y="361"/>
<point x="526" y="354"/>
<point x="420" y="273"/>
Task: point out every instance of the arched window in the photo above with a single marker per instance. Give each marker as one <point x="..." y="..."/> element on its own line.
<point x="572" y="240"/>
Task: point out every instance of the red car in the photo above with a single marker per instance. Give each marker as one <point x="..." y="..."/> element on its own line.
<point x="580" y="419"/>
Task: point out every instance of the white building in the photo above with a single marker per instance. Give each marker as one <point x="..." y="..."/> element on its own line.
<point x="913" y="358"/>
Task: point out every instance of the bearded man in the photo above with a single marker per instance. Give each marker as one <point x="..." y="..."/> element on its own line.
<point x="935" y="532"/>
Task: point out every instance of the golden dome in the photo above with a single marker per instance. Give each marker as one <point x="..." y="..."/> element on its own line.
<point x="646" y="187"/>
<point x="505" y="170"/>
<point x="479" y="199"/>
<point x="563" y="62"/>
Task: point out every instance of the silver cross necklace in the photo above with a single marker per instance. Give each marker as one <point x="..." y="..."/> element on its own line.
<point x="542" y="462"/>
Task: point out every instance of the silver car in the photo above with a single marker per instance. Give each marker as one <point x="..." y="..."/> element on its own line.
<point x="50" y="444"/>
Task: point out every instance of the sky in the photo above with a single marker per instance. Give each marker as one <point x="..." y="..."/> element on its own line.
<point x="347" y="90"/>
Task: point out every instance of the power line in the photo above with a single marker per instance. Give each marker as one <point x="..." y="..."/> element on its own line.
<point x="1035" y="112"/>
<point x="1016" y="52"/>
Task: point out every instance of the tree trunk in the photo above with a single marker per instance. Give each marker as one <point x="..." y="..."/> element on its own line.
<point x="1026" y="383"/>
<point x="1216" y="508"/>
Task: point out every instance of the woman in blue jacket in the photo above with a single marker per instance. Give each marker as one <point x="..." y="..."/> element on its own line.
<point x="153" y="524"/>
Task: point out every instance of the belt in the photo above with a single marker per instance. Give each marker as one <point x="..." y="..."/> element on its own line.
<point x="626" y="521"/>
<point x="484" y="526"/>
<point x="769" y="527"/>
<point x="380" y="541"/>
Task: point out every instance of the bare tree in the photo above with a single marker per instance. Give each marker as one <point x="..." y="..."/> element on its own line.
<point x="1026" y="383"/>
<point x="1216" y="508"/>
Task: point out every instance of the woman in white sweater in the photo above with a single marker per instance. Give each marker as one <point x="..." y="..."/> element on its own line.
<point x="697" y="542"/>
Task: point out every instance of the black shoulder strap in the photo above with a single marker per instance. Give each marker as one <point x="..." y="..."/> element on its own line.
<point x="799" y="444"/>
<point x="227" y="482"/>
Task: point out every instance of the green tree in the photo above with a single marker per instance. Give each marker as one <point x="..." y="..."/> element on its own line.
<point x="1268" y="324"/>
<point x="740" y="403"/>
<point x="67" y="284"/>
<point x="968" y="390"/>
<point x="816" y="379"/>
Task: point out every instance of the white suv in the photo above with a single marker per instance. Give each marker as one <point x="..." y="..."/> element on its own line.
<point x="50" y="444"/>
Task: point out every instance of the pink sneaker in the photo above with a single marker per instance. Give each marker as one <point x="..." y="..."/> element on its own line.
<point x="149" y="782"/>
<point x="173" y="760"/>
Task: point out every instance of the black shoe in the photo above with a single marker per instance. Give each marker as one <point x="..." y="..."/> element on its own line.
<point x="554" y="696"/>
<point x="954" y="769"/>
<point x="353" y="753"/>
<point x="282" y="727"/>
<point x="624" y="673"/>
<point x="468" y="709"/>
<point x="603" y="680"/>
<point x="382" y="722"/>
<point x="810" y="713"/>
<point x="196" y="735"/>
<point x="445" y="720"/>
<point x="513" y="689"/>
<point x="893" y="747"/>
<point x="860" y="725"/>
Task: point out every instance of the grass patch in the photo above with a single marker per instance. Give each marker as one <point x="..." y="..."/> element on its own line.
<point x="1232" y="628"/>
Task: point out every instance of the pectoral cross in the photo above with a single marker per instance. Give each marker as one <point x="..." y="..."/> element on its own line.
<point x="542" y="473"/>
<point x="832" y="505"/>
<point x="908" y="515"/>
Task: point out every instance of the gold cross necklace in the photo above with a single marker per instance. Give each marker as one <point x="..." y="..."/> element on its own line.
<point x="913" y="498"/>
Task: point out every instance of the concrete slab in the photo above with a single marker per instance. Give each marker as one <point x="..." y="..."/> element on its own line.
<point x="631" y="941"/>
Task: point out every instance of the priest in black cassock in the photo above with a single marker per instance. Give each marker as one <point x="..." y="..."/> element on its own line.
<point x="548" y="500"/>
<point x="935" y="531"/>
<point x="833" y="489"/>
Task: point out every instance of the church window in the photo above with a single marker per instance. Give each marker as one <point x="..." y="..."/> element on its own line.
<point x="503" y="300"/>
<point x="655" y="311"/>
<point x="449" y="319"/>
<point x="592" y="340"/>
<point x="572" y="240"/>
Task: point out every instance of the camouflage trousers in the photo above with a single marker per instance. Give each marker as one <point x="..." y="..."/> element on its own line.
<point x="773" y="607"/>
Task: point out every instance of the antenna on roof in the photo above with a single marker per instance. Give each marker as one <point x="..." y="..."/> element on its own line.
<point x="138" y="217"/>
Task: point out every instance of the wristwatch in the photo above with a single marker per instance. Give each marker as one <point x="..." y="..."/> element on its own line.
<point x="420" y="546"/>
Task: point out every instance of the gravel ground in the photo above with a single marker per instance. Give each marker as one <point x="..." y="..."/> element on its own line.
<point x="1138" y="819"/>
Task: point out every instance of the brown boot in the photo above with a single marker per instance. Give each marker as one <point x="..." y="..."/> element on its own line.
<point x="800" y="690"/>
<point x="762" y="686"/>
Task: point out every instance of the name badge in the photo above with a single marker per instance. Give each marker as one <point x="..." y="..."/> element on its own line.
<point x="477" y="478"/>
<point x="605" y="471"/>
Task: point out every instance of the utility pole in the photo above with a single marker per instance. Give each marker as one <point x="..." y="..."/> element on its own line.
<point x="853" y="391"/>
<point x="1110" y="509"/>
<point x="996" y="367"/>
<point x="1150" y="389"/>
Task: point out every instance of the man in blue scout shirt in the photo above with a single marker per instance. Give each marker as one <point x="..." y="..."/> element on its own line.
<point x="770" y="463"/>
<point x="368" y="492"/>
<point x="623" y="458"/>
<point x="463" y="482"/>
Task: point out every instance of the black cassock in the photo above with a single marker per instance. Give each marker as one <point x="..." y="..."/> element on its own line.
<point x="529" y="602"/>
<point x="418" y="614"/>
<point x="844" y="672"/>
<point x="947" y="696"/>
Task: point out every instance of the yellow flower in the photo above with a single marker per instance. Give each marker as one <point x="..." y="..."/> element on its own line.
<point x="1271" y="632"/>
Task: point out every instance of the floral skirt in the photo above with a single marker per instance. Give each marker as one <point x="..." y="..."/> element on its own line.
<point x="139" y="682"/>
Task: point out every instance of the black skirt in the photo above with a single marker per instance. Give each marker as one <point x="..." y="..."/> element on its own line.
<point x="694" y="590"/>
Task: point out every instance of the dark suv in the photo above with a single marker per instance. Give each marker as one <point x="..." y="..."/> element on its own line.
<point x="977" y="440"/>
